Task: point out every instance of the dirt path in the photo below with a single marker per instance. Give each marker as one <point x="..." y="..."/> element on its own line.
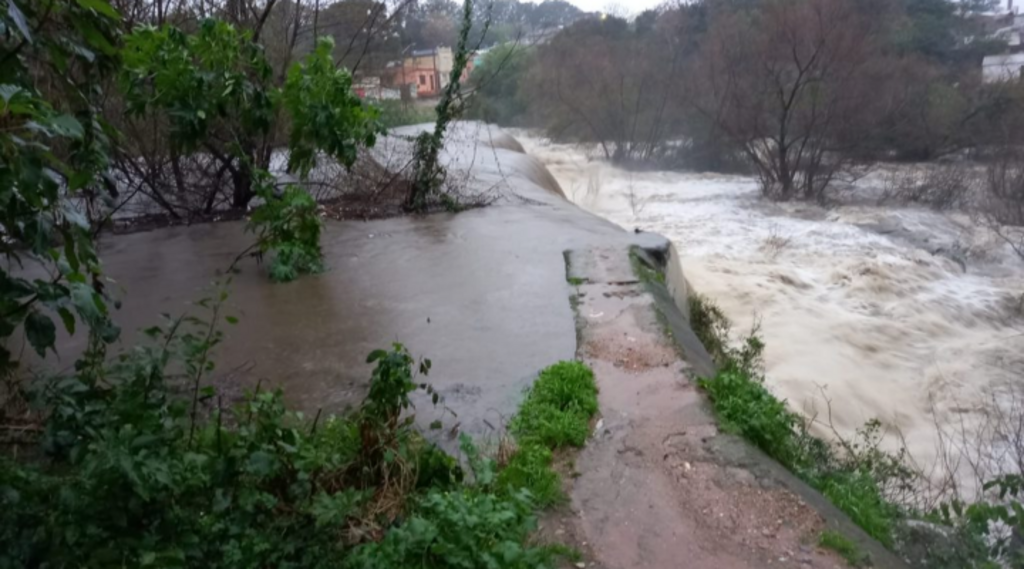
<point x="650" y="489"/>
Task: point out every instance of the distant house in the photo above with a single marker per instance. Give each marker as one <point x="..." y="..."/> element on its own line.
<point x="1008" y="27"/>
<point x="997" y="68"/>
<point x="371" y="88"/>
<point x="426" y="72"/>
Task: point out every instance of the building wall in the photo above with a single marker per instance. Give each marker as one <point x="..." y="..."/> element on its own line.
<point x="996" y="68"/>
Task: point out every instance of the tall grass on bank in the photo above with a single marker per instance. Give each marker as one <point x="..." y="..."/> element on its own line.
<point x="867" y="483"/>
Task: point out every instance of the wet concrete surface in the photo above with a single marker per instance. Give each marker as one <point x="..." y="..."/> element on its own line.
<point x="481" y="293"/>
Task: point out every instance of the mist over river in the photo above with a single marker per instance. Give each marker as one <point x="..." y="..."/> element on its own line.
<point x="901" y="314"/>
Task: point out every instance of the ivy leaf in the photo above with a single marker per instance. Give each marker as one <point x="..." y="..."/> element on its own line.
<point x="68" y="318"/>
<point x="67" y="125"/>
<point x="19" y="20"/>
<point x="40" y="331"/>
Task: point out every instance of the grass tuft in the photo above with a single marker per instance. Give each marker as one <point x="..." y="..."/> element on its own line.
<point x="558" y="408"/>
<point x="845" y="547"/>
<point x="555" y="414"/>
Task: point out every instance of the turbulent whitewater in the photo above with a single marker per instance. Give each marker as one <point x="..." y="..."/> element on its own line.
<point x="900" y="314"/>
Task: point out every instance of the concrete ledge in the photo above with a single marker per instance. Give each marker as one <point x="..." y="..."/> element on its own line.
<point x="728" y="449"/>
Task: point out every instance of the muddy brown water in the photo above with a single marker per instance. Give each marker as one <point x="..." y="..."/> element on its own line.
<point x="483" y="294"/>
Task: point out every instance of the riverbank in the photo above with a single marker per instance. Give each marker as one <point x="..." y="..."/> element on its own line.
<point x="894" y="313"/>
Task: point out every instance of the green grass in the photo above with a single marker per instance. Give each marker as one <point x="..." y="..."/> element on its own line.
<point x="555" y="414"/>
<point x="745" y="407"/>
<point x="844" y="546"/>
<point x="576" y="281"/>
<point x="558" y="408"/>
<point x="645" y="273"/>
<point x="530" y="468"/>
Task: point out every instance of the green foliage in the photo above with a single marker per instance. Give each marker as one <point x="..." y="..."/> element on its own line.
<point x="559" y="406"/>
<point x="643" y="271"/>
<point x="428" y="173"/>
<point x="844" y="546"/>
<point x="214" y="76"/>
<point x="53" y="150"/>
<point x="498" y="81"/>
<point x="852" y="477"/>
<point x="326" y="115"/>
<point x="219" y="79"/>
<point x="556" y="413"/>
<point x="711" y="326"/>
<point x="982" y="522"/>
<point x="465" y="528"/>
<point x="256" y="486"/>
<point x="289" y="226"/>
<point x="530" y="469"/>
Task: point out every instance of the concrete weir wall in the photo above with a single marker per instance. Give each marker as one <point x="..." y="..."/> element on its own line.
<point x="749" y="481"/>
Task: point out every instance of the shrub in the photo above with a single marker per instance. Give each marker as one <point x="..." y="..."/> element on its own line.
<point x="465" y="528"/>
<point x="289" y="227"/>
<point x="143" y="481"/>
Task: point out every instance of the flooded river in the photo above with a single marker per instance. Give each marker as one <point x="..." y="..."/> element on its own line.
<point x="900" y="314"/>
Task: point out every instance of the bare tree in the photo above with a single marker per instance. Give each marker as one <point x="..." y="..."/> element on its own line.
<point x="790" y="83"/>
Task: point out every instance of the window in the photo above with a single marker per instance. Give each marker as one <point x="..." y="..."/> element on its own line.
<point x="423" y="79"/>
<point x="431" y="82"/>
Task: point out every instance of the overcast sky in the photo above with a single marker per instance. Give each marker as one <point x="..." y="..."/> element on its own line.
<point x="621" y="6"/>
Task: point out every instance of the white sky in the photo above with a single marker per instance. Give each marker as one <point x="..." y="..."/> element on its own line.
<point x="632" y="7"/>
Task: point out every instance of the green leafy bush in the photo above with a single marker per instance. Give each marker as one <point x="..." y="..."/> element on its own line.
<point x="289" y="227"/>
<point x="465" y="528"/>
<point x="135" y="477"/>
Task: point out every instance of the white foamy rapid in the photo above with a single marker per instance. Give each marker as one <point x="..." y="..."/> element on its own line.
<point x="868" y="307"/>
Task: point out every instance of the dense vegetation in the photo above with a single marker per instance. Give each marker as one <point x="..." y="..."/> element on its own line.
<point x="133" y="470"/>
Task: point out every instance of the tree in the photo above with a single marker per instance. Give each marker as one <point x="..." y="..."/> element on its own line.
<point x="791" y="84"/>
<point x="216" y="91"/>
<point x="498" y="95"/>
<point x="54" y="150"/>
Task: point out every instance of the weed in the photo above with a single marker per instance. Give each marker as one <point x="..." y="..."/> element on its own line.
<point x="556" y="413"/>
<point x="289" y="227"/>
<point x="558" y="407"/>
<point x="851" y="476"/>
<point x="530" y="468"/>
<point x="643" y="271"/>
<point x="466" y="528"/>
<point x="576" y="281"/>
<point x="844" y="546"/>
